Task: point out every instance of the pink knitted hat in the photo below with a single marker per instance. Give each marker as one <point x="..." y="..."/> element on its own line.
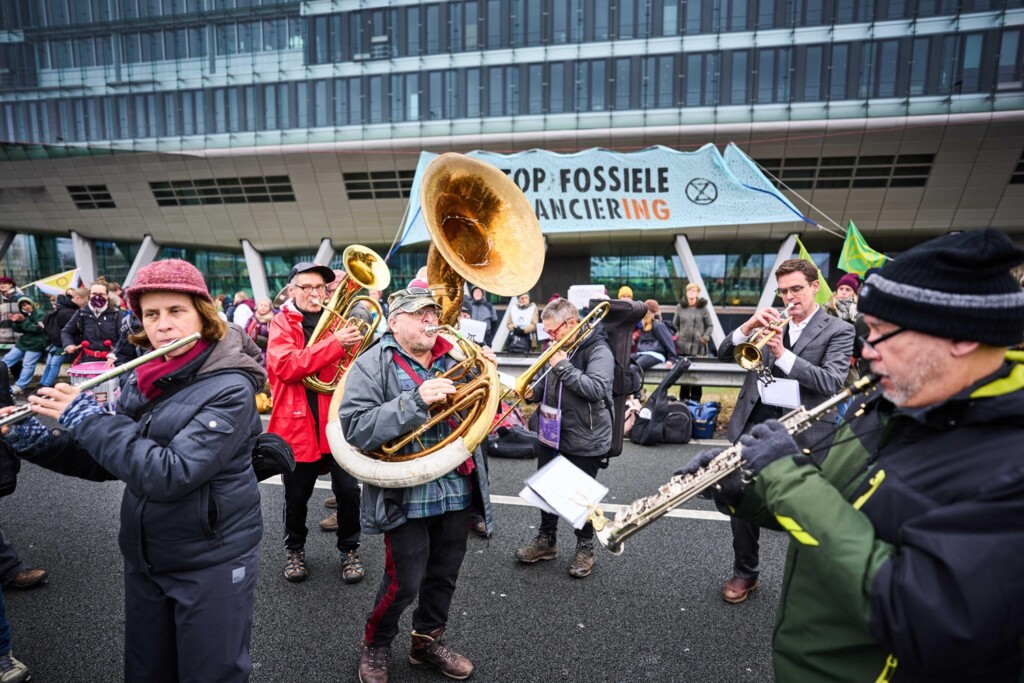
<point x="169" y="275"/>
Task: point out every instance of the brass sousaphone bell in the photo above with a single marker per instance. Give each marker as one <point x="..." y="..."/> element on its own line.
<point x="483" y="230"/>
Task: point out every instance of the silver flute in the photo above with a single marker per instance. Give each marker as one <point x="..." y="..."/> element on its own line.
<point x="683" y="487"/>
<point x="22" y="413"/>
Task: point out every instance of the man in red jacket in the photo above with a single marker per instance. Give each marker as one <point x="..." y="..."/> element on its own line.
<point x="300" y="415"/>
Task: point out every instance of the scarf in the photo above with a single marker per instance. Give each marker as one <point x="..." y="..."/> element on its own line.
<point x="152" y="372"/>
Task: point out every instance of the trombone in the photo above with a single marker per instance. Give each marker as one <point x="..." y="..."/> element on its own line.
<point x="583" y="329"/>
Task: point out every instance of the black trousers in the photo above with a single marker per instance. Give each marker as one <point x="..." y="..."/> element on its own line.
<point x="298" y="487"/>
<point x="590" y="466"/>
<point x="422" y="560"/>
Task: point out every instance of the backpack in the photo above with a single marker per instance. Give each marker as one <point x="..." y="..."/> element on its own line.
<point x="518" y="343"/>
<point x="705" y="418"/>
<point x="52" y="328"/>
<point x="662" y="420"/>
<point x="514" y="442"/>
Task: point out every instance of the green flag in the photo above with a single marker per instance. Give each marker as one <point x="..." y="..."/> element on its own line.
<point x="857" y="256"/>
<point x="824" y="291"/>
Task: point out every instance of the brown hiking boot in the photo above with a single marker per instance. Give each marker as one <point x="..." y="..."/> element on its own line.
<point x="352" y="567"/>
<point x="29" y="578"/>
<point x="295" y="566"/>
<point x="330" y="522"/>
<point x="736" y="590"/>
<point x="542" y="547"/>
<point x="331" y="503"/>
<point x="583" y="563"/>
<point x="373" y="665"/>
<point x="428" y="650"/>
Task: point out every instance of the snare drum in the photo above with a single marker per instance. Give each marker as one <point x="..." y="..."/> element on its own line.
<point x="107" y="393"/>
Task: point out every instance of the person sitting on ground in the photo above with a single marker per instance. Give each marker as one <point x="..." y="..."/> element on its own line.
<point x="31" y="345"/>
<point x="654" y="345"/>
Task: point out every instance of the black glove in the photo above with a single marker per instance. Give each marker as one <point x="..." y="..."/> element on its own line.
<point x="729" y="490"/>
<point x="766" y="443"/>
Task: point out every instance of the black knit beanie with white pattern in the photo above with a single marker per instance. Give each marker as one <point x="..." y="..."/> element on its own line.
<point x="956" y="286"/>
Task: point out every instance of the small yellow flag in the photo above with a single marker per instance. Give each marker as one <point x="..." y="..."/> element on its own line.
<point x="824" y="291"/>
<point x="59" y="283"/>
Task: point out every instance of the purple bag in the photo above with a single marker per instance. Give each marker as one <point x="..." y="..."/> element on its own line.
<point x="549" y="421"/>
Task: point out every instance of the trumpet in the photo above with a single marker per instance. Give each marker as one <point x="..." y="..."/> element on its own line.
<point x="683" y="487"/>
<point x="749" y="355"/>
<point x="583" y="329"/>
<point x="22" y="413"/>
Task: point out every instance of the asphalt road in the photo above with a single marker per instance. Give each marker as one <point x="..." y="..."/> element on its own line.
<point x="652" y="614"/>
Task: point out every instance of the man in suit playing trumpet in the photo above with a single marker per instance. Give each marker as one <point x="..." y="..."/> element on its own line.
<point x="812" y="353"/>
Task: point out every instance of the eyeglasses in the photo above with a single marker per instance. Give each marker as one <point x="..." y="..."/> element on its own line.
<point x="873" y="345"/>
<point x="552" y="333"/>
<point x="795" y="290"/>
<point x="306" y="289"/>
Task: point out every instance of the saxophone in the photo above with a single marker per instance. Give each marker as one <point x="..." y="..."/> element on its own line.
<point x="683" y="487"/>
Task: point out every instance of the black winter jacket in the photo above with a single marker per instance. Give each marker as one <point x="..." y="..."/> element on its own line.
<point x="85" y="325"/>
<point x="65" y="309"/>
<point x="191" y="498"/>
<point x="586" y="381"/>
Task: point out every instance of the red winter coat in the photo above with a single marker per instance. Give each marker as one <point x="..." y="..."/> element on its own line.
<point x="288" y="362"/>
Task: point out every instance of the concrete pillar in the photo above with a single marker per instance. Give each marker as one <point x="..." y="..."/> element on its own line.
<point x="257" y="273"/>
<point x="325" y="253"/>
<point x="785" y="252"/>
<point x="693" y="275"/>
<point x="6" y="240"/>
<point x="85" y="257"/>
<point x="147" y="254"/>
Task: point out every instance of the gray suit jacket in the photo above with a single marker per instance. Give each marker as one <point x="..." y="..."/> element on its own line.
<point x="822" y="363"/>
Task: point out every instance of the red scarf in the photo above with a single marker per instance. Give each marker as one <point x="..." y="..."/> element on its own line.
<point x="149" y="373"/>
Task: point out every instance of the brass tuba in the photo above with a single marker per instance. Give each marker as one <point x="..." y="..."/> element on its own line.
<point x="484" y="230"/>
<point x="364" y="268"/>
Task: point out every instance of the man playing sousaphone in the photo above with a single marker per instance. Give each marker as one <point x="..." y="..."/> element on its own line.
<point x="389" y="391"/>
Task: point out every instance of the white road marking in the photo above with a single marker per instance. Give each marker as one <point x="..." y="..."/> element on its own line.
<point x="516" y="500"/>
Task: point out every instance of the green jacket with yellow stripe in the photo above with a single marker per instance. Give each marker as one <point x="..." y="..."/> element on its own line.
<point x="906" y="561"/>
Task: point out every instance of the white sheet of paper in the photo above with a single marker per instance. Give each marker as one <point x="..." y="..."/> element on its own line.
<point x="531" y="497"/>
<point x="566" y="489"/>
<point x="582" y="294"/>
<point x="474" y="329"/>
<point x="784" y="393"/>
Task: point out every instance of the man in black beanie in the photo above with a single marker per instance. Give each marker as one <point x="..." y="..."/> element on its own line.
<point x="907" y="556"/>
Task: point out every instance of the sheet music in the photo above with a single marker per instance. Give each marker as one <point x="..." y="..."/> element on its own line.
<point x="564" y="489"/>
<point x="784" y="393"/>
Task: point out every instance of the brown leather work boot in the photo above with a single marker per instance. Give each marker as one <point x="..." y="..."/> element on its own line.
<point x="330" y="522"/>
<point x="736" y="590"/>
<point x="542" y="547"/>
<point x="331" y="503"/>
<point x="429" y="651"/>
<point x="583" y="563"/>
<point x="373" y="665"/>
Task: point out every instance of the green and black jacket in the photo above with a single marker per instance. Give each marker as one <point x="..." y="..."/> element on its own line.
<point x="907" y="555"/>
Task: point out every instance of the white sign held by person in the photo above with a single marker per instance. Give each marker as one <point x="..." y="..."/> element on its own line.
<point x="581" y="295"/>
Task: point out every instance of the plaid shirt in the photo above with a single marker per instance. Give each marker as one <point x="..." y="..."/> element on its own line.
<point x="447" y="493"/>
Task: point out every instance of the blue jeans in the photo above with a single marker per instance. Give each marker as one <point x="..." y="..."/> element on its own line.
<point x="54" y="361"/>
<point x="5" y="627"/>
<point x="28" y="364"/>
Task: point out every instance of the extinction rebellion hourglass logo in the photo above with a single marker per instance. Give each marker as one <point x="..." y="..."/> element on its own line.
<point x="701" y="191"/>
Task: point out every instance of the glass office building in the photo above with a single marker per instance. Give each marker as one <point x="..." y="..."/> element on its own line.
<point x="191" y="98"/>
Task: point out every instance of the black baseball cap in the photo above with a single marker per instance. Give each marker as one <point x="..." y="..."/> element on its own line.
<point x="310" y="267"/>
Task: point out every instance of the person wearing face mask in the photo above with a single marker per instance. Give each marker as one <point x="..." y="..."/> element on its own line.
<point x="299" y="416"/>
<point x="92" y="332"/>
